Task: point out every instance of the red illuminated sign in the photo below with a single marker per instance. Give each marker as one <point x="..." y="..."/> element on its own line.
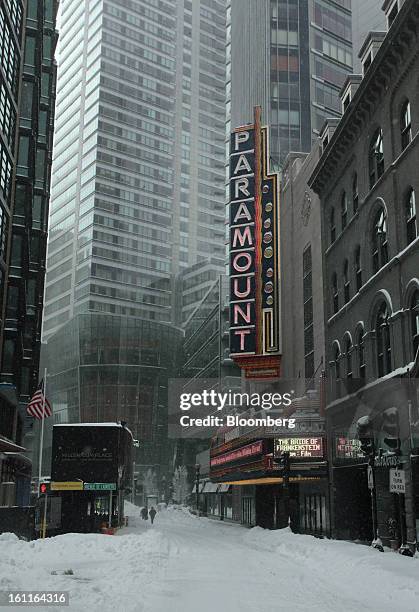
<point x="348" y="448"/>
<point x="241" y="453"/>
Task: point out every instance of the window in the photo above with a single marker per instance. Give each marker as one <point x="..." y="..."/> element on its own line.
<point x="3" y="233"/>
<point x="23" y="156"/>
<point x="376" y="157"/>
<point x="358" y="268"/>
<point x="411" y="224"/>
<point x="26" y="101"/>
<point x="343" y="210"/>
<point x="346" y="281"/>
<point x="30" y="49"/>
<point x="414" y="318"/>
<point x="355" y="195"/>
<point x="16" y="254"/>
<point x="379" y="241"/>
<point x="9" y="356"/>
<point x="348" y="355"/>
<point x="382" y="331"/>
<point x="335" y="293"/>
<point x="405" y="125"/>
<point x="336" y="357"/>
<point x="332" y="226"/>
<point x="361" y="354"/>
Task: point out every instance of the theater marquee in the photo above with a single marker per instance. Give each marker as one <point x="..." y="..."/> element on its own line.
<point x="254" y="254"/>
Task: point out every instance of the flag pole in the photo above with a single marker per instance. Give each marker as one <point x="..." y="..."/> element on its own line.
<point x="41" y="443"/>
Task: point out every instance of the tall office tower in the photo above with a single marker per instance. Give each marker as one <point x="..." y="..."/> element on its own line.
<point x="25" y="288"/>
<point x="137" y="190"/>
<point x="27" y="90"/>
<point x="11" y="44"/>
<point x="291" y="57"/>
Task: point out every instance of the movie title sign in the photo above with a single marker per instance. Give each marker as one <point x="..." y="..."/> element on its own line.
<point x="299" y="448"/>
<point x="254" y="246"/>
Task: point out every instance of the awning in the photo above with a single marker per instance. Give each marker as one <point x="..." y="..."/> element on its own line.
<point x="223" y="488"/>
<point x="201" y="486"/>
<point x="210" y="487"/>
<point x="20" y="458"/>
<point x="7" y="445"/>
<point x="272" y="480"/>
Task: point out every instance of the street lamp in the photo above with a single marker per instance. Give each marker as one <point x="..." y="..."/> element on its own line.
<point x="197" y="471"/>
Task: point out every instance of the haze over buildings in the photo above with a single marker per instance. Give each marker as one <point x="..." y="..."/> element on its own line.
<point x="291" y="58"/>
<point x="137" y="190"/>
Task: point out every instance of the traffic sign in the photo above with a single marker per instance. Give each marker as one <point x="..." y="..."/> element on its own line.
<point x="397" y="481"/>
<point x="76" y="485"/>
<point x="99" y="486"/>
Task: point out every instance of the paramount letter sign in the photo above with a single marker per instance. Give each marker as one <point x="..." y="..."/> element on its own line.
<point x="254" y="254"/>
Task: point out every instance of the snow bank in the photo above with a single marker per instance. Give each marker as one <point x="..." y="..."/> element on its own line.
<point x="185" y="563"/>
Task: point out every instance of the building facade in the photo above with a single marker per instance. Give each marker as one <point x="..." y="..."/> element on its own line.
<point x="292" y="65"/>
<point x="27" y="98"/>
<point x="367" y="183"/>
<point x="11" y="46"/>
<point x="103" y="368"/>
<point x="25" y="287"/>
<point x="137" y="189"/>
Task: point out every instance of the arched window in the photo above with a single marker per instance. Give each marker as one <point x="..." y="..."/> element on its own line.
<point x="346" y="282"/>
<point x="379" y="240"/>
<point x="335" y="293"/>
<point x="376" y="157"/>
<point x="343" y="210"/>
<point x="382" y="331"/>
<point x="332" y="225"/>
<point x="414" y="318"/>
<point x="361" y="354"/>
<point x="358" y="268"/>
<point x="355" y="195"/>
<point x="406" y="125"/>
<point x="348" y="355"/>
<point x="336" y="358"/>
<point x="411" y="224"/>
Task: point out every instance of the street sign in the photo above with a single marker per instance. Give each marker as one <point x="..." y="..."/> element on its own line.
<point x="397" y="481"/>
<point x="67" y="486"/>
<point x="99" y="486"/>
<point x="370" y="477"/>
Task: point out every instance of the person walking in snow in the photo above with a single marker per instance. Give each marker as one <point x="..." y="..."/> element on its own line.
<point x="144" y="513"/>
<point x="152" y="514"/>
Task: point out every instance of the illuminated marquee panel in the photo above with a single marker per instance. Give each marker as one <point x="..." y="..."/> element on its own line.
<point x="254" y="251"/>
<point x="300" y="448"/>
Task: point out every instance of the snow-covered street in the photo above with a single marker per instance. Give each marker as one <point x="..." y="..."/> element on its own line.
<point x="187" y="564"/>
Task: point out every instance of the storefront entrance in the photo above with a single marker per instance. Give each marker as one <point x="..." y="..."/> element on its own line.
<point x="352" y="503"/>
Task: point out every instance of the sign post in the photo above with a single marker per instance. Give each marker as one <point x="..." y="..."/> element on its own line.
<point x="370" y="477"/>
<point x="110" y="509"/>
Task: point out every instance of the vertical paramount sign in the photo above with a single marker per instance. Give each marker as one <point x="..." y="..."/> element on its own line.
<point x="254" y="254"/>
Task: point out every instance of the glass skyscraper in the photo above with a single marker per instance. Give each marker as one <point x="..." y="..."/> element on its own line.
<point x="291" y="57"/>
<point x="138" y="170"/>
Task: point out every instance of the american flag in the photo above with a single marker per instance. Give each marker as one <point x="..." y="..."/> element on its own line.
<point x="39" y="407"/>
